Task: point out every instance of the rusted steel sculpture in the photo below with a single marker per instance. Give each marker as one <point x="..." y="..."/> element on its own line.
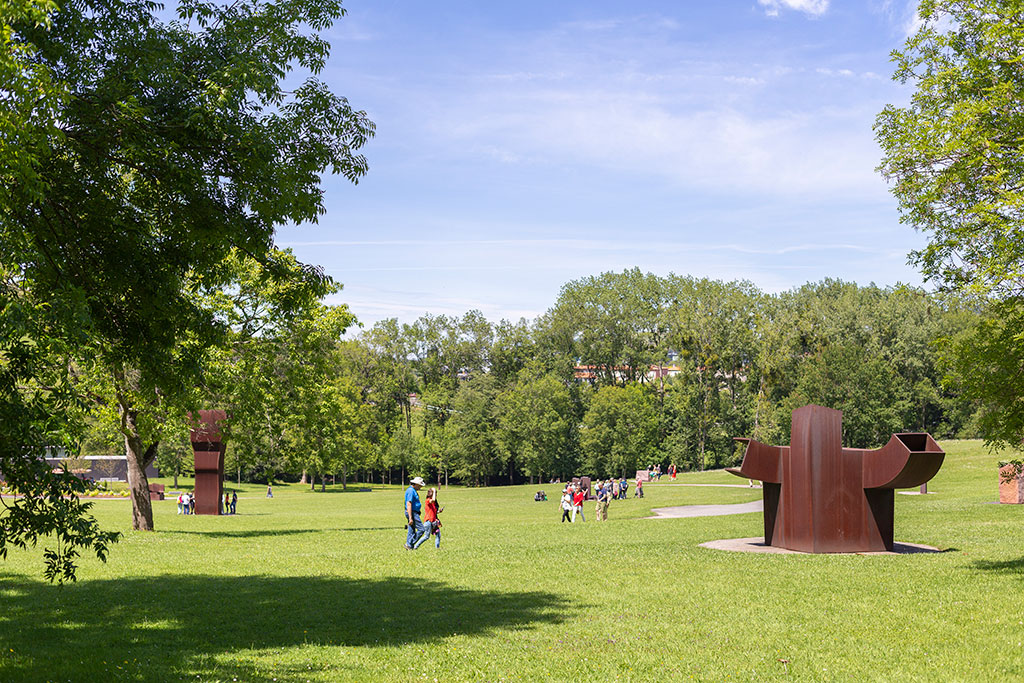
<point x="208" y="446"/>
<point x="822" y="498"/>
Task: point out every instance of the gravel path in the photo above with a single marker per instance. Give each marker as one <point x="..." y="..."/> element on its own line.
<point x="706" y="510"/>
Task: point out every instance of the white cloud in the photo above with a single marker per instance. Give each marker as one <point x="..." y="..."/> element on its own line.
<point x="710" y="145"/>
<point x="643" y="21"/>
<point x="815" y="8"/>
<point x="744" y="80"/>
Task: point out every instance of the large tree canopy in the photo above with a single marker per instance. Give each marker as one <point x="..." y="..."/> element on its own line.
<point x="137" y="154"/>
<point x="955" y="158"/>
<point x="954" y="153"/>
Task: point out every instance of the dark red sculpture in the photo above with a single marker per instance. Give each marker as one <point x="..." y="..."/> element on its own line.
<point x="208" y="445"/>
<point x="822" y="498"/>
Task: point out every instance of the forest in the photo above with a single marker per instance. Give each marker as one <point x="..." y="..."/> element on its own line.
<point x="626" y="369"/>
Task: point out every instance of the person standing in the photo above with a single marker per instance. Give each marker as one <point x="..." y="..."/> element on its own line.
<point x="234" y="501"/>
<point x="578" y="497"/>
<point x="186" y="502"/>
<point x="180" y="503"/>
<point x="639" y="488"/>
<point x="430" y="517"/>
<point x="624" y="489"/>
<point x="566" y="504"/>
<point x="603" y="493"/>
<point x="270" y="492"/>
<point x="417" y="532"/>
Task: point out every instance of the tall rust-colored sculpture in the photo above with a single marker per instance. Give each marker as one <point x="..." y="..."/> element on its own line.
<point x="822" y="498"/>
<point x="208" y="446"/>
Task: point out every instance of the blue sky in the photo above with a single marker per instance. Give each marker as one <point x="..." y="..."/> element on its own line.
<point x="522" y="145"/>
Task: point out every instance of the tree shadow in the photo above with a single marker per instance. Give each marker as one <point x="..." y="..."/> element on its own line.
<point x="258" y="533"/>
<point x="1014" y="567"/>
<point x="178" y="625"/>
<point x="351" y="489"/>
<point x="249" y="533"/>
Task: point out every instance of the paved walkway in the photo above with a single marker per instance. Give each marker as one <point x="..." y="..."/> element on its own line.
<point x="706" y="510"/>
<point x="756" y="545"/>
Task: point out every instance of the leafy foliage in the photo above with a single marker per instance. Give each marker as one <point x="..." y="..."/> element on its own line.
<point x="954" y="158"/>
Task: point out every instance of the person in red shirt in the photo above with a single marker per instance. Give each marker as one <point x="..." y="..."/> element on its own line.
<point x="431" y="511"/>
<point x="577" y="503"/>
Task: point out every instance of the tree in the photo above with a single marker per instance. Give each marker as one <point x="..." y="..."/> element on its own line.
<point x="473" y="420"/>
<point x="328" y="436"/>
<point x="620" y="430"/>
<point x="613" y="321"/>
<point x="955" y="158"/>
<point x="985" y="364"/>
<point x="382" y="355"/>
<point x="174" y="455"/>
<point x="172" y="143"/>
<point x="37" y="339"/>
<point x="954" y="154"/>
<point x="282" y="344"/>
<point x="856" y="380"/>
<point x="535" y="419"/>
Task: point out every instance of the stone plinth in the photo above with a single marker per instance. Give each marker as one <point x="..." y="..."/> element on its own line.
<point x="1011" y="491"/>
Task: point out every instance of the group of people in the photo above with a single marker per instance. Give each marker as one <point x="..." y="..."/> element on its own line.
<point x="574" y="495"/>
<point x="187" y="503"/>
<point x="420" y="529"/>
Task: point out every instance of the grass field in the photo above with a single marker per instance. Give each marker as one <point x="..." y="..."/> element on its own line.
<point x="317" y="587"/>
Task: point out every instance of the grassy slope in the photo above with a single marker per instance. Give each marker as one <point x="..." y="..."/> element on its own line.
<point x="317" y="587"/>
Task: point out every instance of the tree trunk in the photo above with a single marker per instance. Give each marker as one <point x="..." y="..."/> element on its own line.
<point x="138" y="484"/>
<point x="303" y="480"/>
<point x="239" y="475"/>
<point x="323" y="483"/>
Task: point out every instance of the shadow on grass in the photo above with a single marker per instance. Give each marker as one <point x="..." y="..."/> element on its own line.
<point x="167" y="627"/>
<point x="258" y="533"/>
<point x="250" y="533"/>
<point x="1003" y="566"/>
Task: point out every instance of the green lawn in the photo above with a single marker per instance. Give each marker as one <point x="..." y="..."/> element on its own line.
<point x="317" y="587"/>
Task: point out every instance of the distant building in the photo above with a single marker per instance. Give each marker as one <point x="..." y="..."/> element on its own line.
<point x="620" y="373"/>
<point x="101" y="467"/>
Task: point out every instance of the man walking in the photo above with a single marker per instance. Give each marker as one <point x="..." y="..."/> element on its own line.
<point x="603" y="496"/>
<point x="417" y="531"/>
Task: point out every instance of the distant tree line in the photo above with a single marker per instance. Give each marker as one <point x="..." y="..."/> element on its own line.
<point x="625" y="370"/>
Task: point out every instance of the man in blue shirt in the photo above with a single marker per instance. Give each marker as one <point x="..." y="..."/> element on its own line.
<point x="417" y="530"/>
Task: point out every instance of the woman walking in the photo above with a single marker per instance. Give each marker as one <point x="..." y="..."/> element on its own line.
<point x="577" y="503"/>
<point x="566" y="505"/>
<point x="430" y="516"/>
